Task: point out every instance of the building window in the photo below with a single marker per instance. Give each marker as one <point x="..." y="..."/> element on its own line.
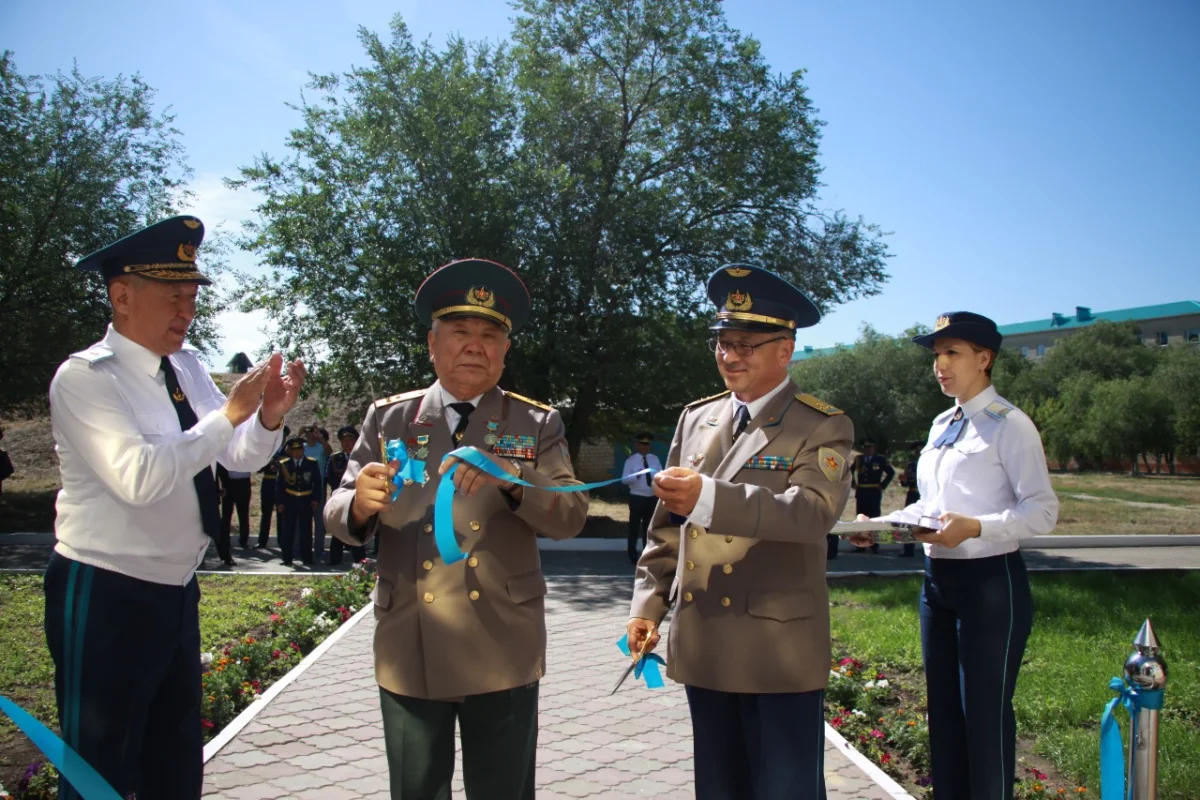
<point x="1041" y="350"/>
<point x="1193" y="336"/>
<point x="1024" y="351"/>
<point x="1161" y="338"/>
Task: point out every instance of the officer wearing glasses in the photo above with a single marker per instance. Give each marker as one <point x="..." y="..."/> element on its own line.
<point x="756" y="476"/>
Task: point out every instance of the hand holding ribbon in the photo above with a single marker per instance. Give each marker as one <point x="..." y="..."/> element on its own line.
<point x="409" y="470"/>
<point x="647" y="666"/>
<point x="443" y="512"/>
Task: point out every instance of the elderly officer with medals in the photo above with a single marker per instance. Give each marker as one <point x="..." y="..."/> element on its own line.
<point x="755" y="479"/>
<point x="465" y="641"/>
<point x="138" y="424"/>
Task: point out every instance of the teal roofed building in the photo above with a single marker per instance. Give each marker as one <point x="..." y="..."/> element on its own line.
<point x="808" y="351"/>
<point x="1160" y="325"/>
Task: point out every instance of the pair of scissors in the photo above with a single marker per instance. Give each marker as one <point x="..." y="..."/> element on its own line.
<point x="638" y="660"/>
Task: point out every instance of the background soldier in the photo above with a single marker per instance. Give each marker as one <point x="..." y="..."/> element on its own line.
<point x="871" y="475"/>
<point x="755" y="479"/>
<point x="335" y="468"/>
<point x="266" y="494"/>
<point x="909" y="480"/>
<point x="463" y="641"/>
<point x="641" y="492"/>
<point x="295" y="488"/>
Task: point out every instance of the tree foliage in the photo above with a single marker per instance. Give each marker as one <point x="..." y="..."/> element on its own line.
<point x="614" y="153"/>
<point x="83" y="162"/>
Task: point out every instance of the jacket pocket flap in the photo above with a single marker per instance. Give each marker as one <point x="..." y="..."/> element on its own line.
<point x="781" y="606"/>
<point x="381" y="595"/>
<point x="522" y="588"/>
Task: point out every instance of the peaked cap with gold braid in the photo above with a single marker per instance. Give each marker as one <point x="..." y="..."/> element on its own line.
<point x="749" y="298"/>
<point x="474" y="287"/>
<point x="165" y="251"/>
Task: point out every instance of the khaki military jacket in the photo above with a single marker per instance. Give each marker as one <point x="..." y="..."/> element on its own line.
<point x="751" y="604"/>
<point x="478" y="625"/>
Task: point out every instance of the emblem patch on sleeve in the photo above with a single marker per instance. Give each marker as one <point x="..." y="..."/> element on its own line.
<point x="831" y="463"/>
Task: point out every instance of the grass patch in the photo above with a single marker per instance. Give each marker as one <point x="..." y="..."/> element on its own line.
<point x="229" y="607"/>
<point x="1125" y="496"/>
<point x="1083" y="626"/>
<point x="27" y="506"/>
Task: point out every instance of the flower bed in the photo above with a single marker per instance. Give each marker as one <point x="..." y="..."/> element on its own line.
<point x="885" y="719"/>
<point x="234" y="676"/>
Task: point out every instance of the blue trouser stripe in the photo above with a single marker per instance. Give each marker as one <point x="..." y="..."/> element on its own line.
<point x="68" y="649"/>
<point x="85" y="596"/>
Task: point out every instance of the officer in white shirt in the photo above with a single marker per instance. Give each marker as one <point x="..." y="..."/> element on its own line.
<point x="137" y="426"/>
<point x="982" y="475"/>
<point x="641" y="492"/>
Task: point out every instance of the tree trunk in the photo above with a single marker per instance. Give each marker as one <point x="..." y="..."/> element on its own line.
<point x="581" y="415"/>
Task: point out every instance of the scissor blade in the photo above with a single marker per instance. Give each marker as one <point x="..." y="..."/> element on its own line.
<point x="628" y="671"/>
<point x="375" y="411"/>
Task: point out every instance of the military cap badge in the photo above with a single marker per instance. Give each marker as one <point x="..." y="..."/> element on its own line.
<point x="739" y="301"/>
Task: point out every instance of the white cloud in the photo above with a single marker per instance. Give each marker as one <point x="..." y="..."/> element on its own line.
<point x="220" y="206"/>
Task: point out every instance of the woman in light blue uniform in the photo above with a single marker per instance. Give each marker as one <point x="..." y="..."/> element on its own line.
<point x="982" y="474"/>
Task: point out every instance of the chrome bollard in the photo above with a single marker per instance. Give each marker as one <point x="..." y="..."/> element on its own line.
<point x="1147" y="671"/>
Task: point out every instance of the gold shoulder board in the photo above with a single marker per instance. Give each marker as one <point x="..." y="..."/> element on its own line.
<point x="708" y="399"/>
<point x="819" y="405"/>
<point x="396" y="398"/>
<point x="533" y="403"/>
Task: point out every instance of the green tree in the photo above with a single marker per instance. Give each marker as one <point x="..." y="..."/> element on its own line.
<point x="1178" y="375"/>
<point x="83" y="161"/>
<point x="614" y="155"/>
<point x="1128" y="417"/>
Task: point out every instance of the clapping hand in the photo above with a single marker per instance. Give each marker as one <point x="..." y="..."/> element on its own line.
<point x="280" y="391"/>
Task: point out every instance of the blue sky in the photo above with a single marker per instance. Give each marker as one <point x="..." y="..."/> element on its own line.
<point x="1027" y="156"/>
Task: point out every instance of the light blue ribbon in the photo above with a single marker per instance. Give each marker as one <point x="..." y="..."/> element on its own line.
<point x="80" y="774"/>
<point x="410" y="470"/>
<point x="647" y="667"/>
<point x="443" y="509"/>
<point x="1112" y="749"/>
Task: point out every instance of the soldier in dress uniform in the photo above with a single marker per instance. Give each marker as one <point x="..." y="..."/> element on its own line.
<point x="755" y="479"/>
<point x="335" y="468"/>
<point x="908" y="479"/>
<point x="266" y="494"/>
<point x="466" y="641"/>
<point x="295" y="490"/>
<point x="870" y="476"/>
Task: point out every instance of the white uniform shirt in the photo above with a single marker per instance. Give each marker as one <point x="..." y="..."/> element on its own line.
<point x="702" y="514"/>
<point x="128" y="501"/>
<point x="995" y="472"/>
<point x="452" y="416"/>
<point x="640" y="486"/>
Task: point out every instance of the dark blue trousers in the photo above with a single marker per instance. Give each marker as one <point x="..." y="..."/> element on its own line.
<point x="976" y="615"/>
<point x="758" y="746"/>
<point x="127" y="678"/>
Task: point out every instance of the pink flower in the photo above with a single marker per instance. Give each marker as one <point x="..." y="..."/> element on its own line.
<point x="276" y="653"/>
<point x="885" y="758"/>
<point x="275" y="618"/>
<point x="837" y="722"/>
<point x="206" y="723"/>
<point x="878" y="734"/>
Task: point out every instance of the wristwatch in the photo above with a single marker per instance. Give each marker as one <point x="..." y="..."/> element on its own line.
<point x="513" y="487"/>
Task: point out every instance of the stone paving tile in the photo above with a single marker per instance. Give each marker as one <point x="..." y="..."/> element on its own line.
<point x="323" y="737"/>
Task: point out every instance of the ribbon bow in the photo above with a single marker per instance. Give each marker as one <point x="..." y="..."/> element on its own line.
<point x="1112" y="749"/>
<point x="647" y="667"/>
<point x="411" y="470"/>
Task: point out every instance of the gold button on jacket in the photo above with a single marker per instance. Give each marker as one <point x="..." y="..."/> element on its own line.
<point x="483" y="627"/>
<point x="758" y="583"/>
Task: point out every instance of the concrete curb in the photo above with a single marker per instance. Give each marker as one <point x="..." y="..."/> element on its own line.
<point x="254" y="709"/>
<point x="885" y="781"/>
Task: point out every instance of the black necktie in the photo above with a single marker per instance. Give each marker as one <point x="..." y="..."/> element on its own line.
<point x="464" y="415"/>
<point x="953" y="430"/>
<point x="742" y="421"/>
<point x="206" y="485"/>
<point x="646" y="465"/>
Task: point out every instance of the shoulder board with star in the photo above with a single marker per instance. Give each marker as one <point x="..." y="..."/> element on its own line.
<point x="819" y="405"/>
<point x="708" y="399"/>
<point x="399" y="398"/>
<point x="310" y="458"/>
<point x="533" y="403"/>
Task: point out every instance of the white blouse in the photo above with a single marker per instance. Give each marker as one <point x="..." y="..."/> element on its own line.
<point x="995" y="471"/>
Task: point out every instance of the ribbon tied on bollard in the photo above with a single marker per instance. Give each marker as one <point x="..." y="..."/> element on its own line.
<point x="443" y="509"/>
<point x="1112" y="749"/>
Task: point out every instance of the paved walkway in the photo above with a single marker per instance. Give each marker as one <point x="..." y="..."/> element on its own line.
<point x="321" y="737"/>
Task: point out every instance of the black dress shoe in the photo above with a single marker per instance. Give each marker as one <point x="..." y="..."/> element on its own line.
<point x="288" y="563"/>
<point x="243" y="544"/>
<point x="229" y="562"/>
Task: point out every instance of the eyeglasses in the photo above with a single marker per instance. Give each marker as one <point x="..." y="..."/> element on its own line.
<point x="742" y="349"/>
